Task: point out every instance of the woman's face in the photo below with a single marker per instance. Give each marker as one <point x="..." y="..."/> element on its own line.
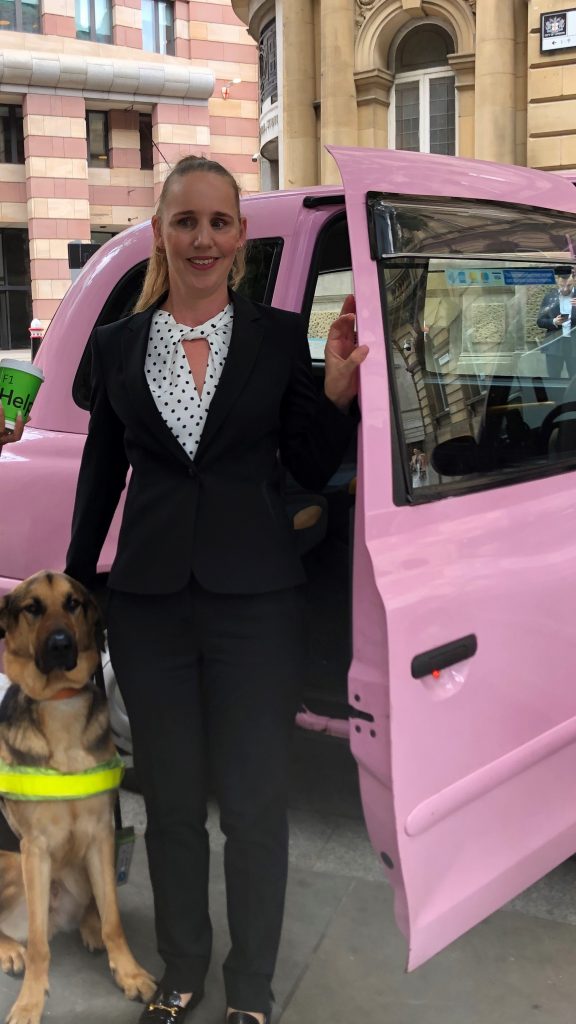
<point x="200" y="230"/>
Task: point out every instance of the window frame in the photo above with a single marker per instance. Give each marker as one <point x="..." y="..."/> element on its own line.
<point x="6" y="289"/>
<point x="18" y="20"/>
<point x="171" y="43"/>
<point x="423" y="78"/>
<point x="144" y="166"/>
<point x="94" y="36"/>
<point x="339" y="218"/>
<point x="16" y="143"/>
<point x="96" y="161"/>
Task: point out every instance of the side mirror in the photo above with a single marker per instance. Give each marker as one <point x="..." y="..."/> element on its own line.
<point x="457" y="457"/>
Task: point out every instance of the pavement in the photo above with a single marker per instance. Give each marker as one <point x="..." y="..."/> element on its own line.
<point x="342" y="957"/>
<point x="15" y="353"/>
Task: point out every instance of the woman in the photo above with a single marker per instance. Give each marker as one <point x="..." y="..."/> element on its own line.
<point x="203" y="393"/>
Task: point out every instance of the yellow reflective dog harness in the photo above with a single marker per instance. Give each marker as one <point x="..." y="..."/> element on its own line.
<point x="19" y="782"/>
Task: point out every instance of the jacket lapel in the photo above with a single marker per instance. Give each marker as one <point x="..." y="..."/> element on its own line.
<point x="245" y="342"/>
<point x="134" y="348"/>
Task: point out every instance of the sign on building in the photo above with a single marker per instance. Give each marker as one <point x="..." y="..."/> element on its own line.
<point x="558" y="31"/>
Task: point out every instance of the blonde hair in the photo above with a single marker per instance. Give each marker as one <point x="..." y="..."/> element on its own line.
<point x="156" y="281"/>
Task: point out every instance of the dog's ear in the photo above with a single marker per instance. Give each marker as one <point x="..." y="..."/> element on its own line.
<point x="4" y="608"/>
<point x="94" y="614"/>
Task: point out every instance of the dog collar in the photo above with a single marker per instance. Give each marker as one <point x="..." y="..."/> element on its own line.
<point x="66" y="693"/>
<point x="20" y="782"/>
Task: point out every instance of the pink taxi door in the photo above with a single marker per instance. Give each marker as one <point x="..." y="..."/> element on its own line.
<point x="464" y="721"/>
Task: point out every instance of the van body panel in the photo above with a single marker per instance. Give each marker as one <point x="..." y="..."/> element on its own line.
<point x="467" y="776"/>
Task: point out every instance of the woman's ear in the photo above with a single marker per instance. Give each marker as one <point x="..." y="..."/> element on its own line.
<point x="157" y="229"/>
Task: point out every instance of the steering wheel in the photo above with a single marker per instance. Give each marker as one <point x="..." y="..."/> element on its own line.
<point x="549" y="421"/>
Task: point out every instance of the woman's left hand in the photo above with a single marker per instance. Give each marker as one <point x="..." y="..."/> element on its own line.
<point x="343" y="357"/>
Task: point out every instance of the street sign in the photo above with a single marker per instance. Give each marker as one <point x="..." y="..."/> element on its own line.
<point x="558" y="31"/>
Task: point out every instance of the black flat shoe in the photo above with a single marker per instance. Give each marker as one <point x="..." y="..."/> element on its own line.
<point x="239" y="1017"/>
<point x="165" y="1008"/>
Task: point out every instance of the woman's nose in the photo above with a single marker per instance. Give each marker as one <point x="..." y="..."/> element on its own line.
<point x="201" y="237"/>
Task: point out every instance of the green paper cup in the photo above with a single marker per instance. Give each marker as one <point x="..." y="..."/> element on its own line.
<point x="19" y="385"/>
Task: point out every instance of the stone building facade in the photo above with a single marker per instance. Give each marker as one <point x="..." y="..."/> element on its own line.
<point x="98" y="99"/>
<point x="457" y="76"/>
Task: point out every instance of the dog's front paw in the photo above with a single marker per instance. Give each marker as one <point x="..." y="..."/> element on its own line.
<point x="12" y="956"/>
<point x="26" y="1011"/>
<point x="134" y="981"/>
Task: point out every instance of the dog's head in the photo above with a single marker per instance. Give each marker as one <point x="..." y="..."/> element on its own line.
<point x="53" y="633"/>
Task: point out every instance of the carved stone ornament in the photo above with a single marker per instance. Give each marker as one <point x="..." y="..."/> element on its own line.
<point x="363" y="8"/>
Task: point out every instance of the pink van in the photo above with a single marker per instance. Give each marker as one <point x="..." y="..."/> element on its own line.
<point x="442" y="557"/>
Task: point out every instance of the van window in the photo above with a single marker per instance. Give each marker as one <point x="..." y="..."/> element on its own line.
<point x="262" y="262"/>
<point x="330" y="282"/>
<point x="481" y="345"/>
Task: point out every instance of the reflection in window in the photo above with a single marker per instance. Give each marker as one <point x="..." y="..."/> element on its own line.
<point x="15" y="289"/>
<point x="146" y="144"/>
<point x="20" y="15"/>
<point x="158" y="26"/>
<point x="11" y="135"/>
<point x="484" y="384"/>
<point x="93" y="20"/>
<point x="97" y="126"/>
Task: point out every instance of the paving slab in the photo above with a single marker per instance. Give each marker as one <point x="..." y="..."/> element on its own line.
<point x="509" y="970"/>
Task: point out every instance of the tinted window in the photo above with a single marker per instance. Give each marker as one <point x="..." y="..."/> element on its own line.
<point x="484" y="371"/>
<point x="330" y="282"/>
<point x="479" y="304"/>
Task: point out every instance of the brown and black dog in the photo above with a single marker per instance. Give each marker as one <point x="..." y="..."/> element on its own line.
<point x="53" y="717"/>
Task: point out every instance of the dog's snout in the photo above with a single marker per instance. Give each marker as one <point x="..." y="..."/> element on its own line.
<point x="59" y="651"/>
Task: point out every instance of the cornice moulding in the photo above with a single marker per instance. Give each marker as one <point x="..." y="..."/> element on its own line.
<point x="73" y="73"/>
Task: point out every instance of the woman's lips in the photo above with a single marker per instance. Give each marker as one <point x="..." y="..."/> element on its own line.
<point x="205" y="264"/>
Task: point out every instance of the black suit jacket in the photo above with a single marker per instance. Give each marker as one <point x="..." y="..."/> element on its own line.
<point x="220" y="517"/>
<point x="549" y="309"/>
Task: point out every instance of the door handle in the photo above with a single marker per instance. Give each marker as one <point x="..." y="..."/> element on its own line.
<point x="441" y="657"/>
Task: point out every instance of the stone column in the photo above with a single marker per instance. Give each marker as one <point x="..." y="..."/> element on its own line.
<point x="59" y="18"/>
<point x="56" y="191"/>
<point x="463" y="65"/>
<point x="127" y="23"/>
<point x="339" y="114"/>
<point x="299" y="94"/>
<point x="495" y="81"/>
<point x="373" y="89"/>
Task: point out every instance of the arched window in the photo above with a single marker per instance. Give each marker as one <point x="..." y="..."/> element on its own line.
<point x="423" y="108"/>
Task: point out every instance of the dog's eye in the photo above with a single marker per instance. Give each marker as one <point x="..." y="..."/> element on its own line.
<point x="71" y="603"/>
<point x="35" y="608"/>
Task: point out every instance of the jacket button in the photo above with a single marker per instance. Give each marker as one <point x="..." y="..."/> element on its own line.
<point x="193" y="472"/>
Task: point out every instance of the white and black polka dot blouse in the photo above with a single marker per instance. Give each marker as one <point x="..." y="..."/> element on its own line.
<point x="170" y="378"/>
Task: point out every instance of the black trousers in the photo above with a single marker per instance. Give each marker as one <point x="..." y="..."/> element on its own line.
<point x="559" y="352"/>
<point x="211" y="684"/>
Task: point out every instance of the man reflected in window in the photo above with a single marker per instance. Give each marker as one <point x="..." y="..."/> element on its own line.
<point x="558" y="316"/>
